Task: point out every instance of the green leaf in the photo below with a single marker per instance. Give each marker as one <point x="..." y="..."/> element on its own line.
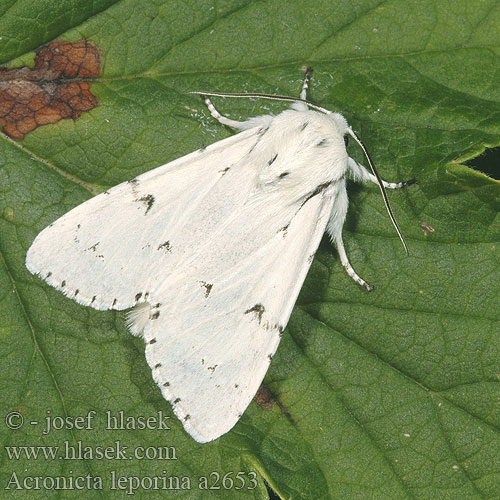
<point x="392" y="394"/>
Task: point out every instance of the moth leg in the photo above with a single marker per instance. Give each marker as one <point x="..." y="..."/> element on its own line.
<point x="360" y="173"/>
<point x="334" y="229"/>
<point x="222" y="119"/>
<point x="347" y="265"/>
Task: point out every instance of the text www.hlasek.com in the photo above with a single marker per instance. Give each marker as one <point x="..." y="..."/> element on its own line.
<point x="79" y="451"/>
<point x="129" y="484"/>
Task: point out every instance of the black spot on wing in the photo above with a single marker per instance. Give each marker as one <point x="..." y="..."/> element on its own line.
<point x="283" y="175"/>
<point x="322" y="143"/>
<point x="152" y="341"/>
<point x="278" y="327"/>
<point x="155" y="315"/>
<point x="133" y="185"/>
<point x="93" y="247"/>
<point x="157" y="365"/>
<point x="224" y="170"/>
<point x="253" y="147"/>
<point x="208" y="287"/>
<point x="178" y="400"/>
<point x="304" y="125"/>
<point x="165" y="246"/>
<point x="272" y="160"/>
<point x="284" y="230"/>
<point x="319" y="189"/>
<point x="148" y="201"/>
<point x="260" y="133"/>
<point x="138" y="296"/>
<point x="63" y="283"/>
<point x="258" y="309"/>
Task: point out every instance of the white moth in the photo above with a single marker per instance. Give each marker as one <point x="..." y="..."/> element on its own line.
<point x="211" y="251"/>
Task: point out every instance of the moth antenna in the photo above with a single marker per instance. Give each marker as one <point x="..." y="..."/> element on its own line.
<point x="381" y="186"/>
<point x="265" y="96"/>
<point x="305" y="84"/>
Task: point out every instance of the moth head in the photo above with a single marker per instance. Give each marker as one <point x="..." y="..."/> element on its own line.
<point x="342" y="127"/>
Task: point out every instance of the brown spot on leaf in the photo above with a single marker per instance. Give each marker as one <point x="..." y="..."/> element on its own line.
<point x="50" y="92"/>
<point x="264" y="398"/>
